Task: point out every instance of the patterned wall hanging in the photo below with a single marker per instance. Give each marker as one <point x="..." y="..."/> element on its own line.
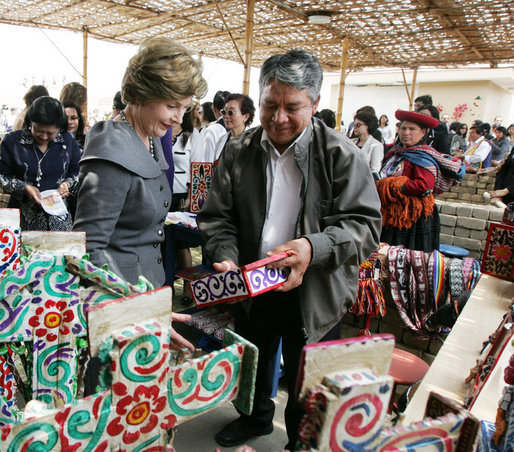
<point x="201" y="178"/>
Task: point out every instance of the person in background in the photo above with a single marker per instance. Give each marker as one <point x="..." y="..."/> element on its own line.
<point x="217" y="129"/>
<point x="76" y="93"/>
<point x="500" y="145"/>
<point x="370" y="110"/>
<point x="208" y="114"/>
<point x="34" y="92"/>
<point x="76" y="125"/>
<point x="504" y="182"/>
<point x="459" y="143"/>
<point x="387" y="133"/>
<point x="328" y="117"/>
<point x="197" y="110"/>
<point x="478" y="153"/>
<point x="372" y="150"/>
<point x="187" y="148"/>
<point x="420" y="101"/>
<point x="42" y="156"/>
<point x="117" y="105"/>
<point x="292" y="184"/>
<point x="238" y="114"/>
<point x="411" y="172"/>
<point x="445" y="119"/>
<point x="510" y="132"/>
<point x="438" y="137"/>
<point x="486" y="127"/>
<point x="124" y="194"/>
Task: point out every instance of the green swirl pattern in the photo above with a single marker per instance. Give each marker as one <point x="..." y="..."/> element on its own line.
<point x="61" y="384"/>
<point x="190" y="377"/>
<point x="139" y="351"/>
<point x="29" y="434"/>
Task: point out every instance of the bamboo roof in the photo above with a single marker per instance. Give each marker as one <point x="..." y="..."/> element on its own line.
<point x="382" y="33"/>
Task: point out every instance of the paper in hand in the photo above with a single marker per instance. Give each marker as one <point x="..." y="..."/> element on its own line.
<point x="52" y="203"/>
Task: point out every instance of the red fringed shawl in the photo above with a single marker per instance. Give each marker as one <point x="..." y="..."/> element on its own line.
<point x="399" y="210"/>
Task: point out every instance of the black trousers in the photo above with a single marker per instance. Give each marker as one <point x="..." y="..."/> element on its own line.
<point x="274" y="316"/>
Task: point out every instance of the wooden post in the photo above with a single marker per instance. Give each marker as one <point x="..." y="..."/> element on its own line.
<point x="407" y="89"/>
<point x="84" y="68"/>
<point x="250" y="7"/>
<point x="413" y="88"/>
<point x="344" y="66"/>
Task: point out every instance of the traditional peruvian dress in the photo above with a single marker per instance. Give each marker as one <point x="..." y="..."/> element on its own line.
<point x="410" y="178"/>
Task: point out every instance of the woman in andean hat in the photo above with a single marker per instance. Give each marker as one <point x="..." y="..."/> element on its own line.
<point x="411" y="175"/>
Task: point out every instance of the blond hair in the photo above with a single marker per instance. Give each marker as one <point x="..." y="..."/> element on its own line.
<point x="162" y="69"/>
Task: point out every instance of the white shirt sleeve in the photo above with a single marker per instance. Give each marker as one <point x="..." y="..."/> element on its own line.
<point x="480" y="153"/>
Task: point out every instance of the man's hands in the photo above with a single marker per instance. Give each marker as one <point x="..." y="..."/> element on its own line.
<point x="300" y="254"/>
<point x="298" y="259"/>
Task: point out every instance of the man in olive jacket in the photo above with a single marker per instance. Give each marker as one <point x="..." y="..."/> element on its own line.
<point x="293" y="185"/>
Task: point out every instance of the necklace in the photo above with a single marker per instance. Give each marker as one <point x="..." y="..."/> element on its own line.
<point x="122" y="114"/>
<point x="39" y="174"/>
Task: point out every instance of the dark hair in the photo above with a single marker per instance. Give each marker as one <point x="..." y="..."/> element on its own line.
<point x="477" y="122"/>
<point x="455" y="126"/>
<point x="187" y="126"/>
<point x="48" y="111"/>
<point x="246" y="105"/>
<point x="328" y="117"/>
<point x="503" y="130"/>
<point x="371" y="121"/>
<point x="220" y="99"/>
<point x="426" y="99"/>
<point x="33" y="93"/>
<point x="434" y="112"/>
<point x="380" y="120"/>
<point x="486" y="126"/>
<point x="117" y="103"/>
<point x="207" y="112"/>
<point x="80" y="134"/>
<point x="367" y="109"/>
<point x="479" y="129"/>
<point x="296" y="68"/>
<point x="74" y="92"/>
<point x="461" y="125"/>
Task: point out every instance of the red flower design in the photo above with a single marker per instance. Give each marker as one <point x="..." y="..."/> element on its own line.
<point x="502" y="252"/>
<point x="52" y="318"/>
<point x="137" y="413"/>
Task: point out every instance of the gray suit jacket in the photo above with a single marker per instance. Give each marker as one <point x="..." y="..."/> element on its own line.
<point x="123" y="200"/>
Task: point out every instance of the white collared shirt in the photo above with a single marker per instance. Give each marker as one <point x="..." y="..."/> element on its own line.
<point x="283" y="189"/>
<point x="477" y="151"/>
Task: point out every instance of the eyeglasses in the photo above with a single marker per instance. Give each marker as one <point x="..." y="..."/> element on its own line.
<point x="358" y="124"/>
<point x="227" y="112"/>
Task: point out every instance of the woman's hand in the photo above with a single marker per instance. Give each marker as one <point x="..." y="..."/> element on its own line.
<point x="64" y="189"/>
<point x="178" y="342"/>
<point x="499" y="193"/>
<point x="224" y="266"/>
<point x="33" y="193"/>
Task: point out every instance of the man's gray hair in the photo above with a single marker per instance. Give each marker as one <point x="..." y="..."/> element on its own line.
<point x="297" y="68"/>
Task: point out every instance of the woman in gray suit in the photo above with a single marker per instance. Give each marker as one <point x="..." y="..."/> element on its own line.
<point x="124" y="194"/>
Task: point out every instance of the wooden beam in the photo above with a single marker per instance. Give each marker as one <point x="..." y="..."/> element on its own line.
<point x="406" y="88"/>
<point x="342" y="81"/>
<point x="250" y="5"/>
<point x="228" y="31"/>
<point x="413" y="88"/>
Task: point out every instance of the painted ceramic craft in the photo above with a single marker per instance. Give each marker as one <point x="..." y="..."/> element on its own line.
<point x="144" y="394"/>
<point x="9" y="240"/>
<point x="201" y="177"/>
<point x="240" y="283"/>
<point x="346" y="390"/>
<point x="498" y="257"/>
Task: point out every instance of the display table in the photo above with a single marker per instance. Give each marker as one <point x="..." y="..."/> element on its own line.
<point x="480" y="317"/>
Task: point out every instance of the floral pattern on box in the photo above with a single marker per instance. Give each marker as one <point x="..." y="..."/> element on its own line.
<point x="498" y="257"/>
